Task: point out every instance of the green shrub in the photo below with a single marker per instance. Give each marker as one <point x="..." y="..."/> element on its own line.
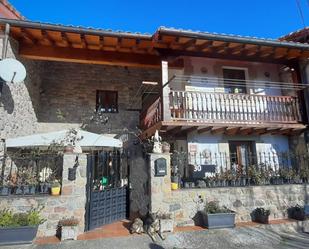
<point x="213" y="207"/>
<point x="31" y="218"/>
<point x="6" y="218"/>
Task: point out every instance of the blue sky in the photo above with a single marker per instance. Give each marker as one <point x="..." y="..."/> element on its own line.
<point x="261" y="18"/>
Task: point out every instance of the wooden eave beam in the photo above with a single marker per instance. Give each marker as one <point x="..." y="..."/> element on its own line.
<point x="245" y="131"/>
<point x="24" y="32"/>
<point x="47" y="37"/>
<point x="218" y="130"/>
<point x="204" y="130"/>
<point x="232" y="131"/>
<point x="89" y="56"/>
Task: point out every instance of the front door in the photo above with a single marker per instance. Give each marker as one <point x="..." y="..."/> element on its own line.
<point x="107" y="194"/>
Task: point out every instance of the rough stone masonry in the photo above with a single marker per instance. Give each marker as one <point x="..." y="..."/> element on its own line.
<point x="71" y="202"/>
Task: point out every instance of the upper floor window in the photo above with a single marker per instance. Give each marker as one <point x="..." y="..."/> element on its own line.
<point x="107" y="101"/>
<point x="234" y="80"/>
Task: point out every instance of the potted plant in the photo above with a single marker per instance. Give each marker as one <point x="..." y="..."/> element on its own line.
<point x="6" y="188"/>
<point x="68" y="228"/>
<point x="255" y="175"/>
<point x="297" y="213"/>
<point x="215" y="216"/>
<point x="30" y="185"/>
<point x="261" y="215"/>
<point x="55" y="188"/>
<point x="19" y="228"/>
<point x="44" y="187"/>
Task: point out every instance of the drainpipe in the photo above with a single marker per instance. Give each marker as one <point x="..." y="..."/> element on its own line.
<point x="304" y="72"/>
<point x="4" y="51"/>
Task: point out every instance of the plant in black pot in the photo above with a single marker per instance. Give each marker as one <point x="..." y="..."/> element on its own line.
<point x="297" y="212"/>
<point x="30" y="185"/>
<point x="19" y="228"/>
<point x="260" y="215"/>
<point x="215" y="216"/>
<point x="6" y="187"/>
<point x="255" y="175"/>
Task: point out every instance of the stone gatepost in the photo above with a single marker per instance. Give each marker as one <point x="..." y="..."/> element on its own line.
<point x="160" y="186"/>
<point x="73" y="193"/>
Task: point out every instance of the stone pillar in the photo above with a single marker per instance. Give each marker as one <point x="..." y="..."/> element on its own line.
<point x="73" y="193"/>
<point x="160" y="186"/>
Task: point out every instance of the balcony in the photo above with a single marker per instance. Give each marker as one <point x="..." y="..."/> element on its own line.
<point x="213" y="110"/>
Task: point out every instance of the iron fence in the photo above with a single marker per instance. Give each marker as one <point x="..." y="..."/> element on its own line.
<point x="231" y="169"/>
<point x="29" y="173"/>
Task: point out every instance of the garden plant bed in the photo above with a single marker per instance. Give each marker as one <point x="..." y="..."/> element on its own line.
<point x="17" y="235"/>
<point x="220" y="220"/>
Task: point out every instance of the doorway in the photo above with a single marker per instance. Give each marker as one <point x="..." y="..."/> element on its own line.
<point x="242" y="153"/>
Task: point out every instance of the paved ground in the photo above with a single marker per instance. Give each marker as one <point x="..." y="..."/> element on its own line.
<point x="277" y="237"/>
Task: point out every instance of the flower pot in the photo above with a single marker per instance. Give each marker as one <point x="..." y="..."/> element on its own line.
<point x="55" y="191"/>
<point x="4" y="191"/>
<point x="264" y="219"/>
<point x="17" y="235"/>
<point x="29" y="190"/>
<point x="219" y="220"/>
<point x="19" y="190"/>
<point x="174" y="185"/>
<point x="69" y="232"/>
<point x="44" y="188"/>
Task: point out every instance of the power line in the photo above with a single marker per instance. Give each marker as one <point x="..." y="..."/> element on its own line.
<point x="301" y="12"/>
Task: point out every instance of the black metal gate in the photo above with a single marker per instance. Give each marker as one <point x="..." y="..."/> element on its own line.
<point x="107" y="195"/>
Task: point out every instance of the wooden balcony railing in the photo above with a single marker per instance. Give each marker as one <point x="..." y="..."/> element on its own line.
<point x="233" y="108"/>
<point x="151" y="115"/>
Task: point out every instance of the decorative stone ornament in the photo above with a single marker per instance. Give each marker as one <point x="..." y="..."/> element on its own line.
<point x="157" y="145"/>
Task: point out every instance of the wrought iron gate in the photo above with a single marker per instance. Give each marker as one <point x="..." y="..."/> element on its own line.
<point x="107" y="195"/>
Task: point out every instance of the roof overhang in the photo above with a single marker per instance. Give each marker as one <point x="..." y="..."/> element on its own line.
<point x="184" y="42"/>
<point x="86" y="45"/>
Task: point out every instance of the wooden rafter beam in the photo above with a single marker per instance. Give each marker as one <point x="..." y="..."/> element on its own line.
<point x="83" y="41"/>
<point x="205" y="45"/>
<point x="218" y="130"/>
<point x="66" y="39"/>
<point x="89" y="56"/>
<point x="188" y="44"/>
<point x="204" y="130"/>
<point x="25" y="33"/>
<point x="47" y="37"/>
<point x="232" y="131"/>
<point x="246" y="131"/>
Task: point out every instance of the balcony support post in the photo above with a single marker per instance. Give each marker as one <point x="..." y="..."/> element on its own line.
<point x="166" y="112"/>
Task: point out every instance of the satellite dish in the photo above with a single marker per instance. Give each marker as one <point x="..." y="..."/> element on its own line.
<point x="12" y="70"/>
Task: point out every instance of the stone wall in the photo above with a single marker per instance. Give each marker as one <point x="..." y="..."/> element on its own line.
<point x="19" y="102"/>
<point x="71" y="202"/>
<point x="69" y="89"/>
<point x="185" y="203"/>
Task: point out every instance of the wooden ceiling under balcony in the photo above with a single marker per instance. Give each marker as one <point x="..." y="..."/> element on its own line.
<point x="181" y="129"/>
<point x="95" y="46"/>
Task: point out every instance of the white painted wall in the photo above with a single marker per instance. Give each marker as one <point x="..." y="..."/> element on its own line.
<point x="216" y="148"/>
<point x="255" y="71"/>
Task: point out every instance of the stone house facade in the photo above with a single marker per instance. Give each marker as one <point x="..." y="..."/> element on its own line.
<point x="67" y="68"/>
